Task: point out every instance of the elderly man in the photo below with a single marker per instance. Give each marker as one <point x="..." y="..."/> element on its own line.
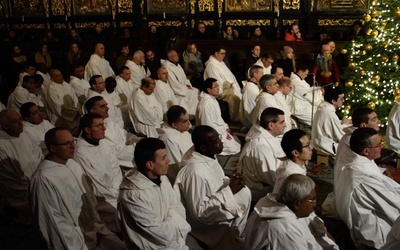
<point x="34" y="124"/>
<point x="97" y="64"/>
<point x="62" y="103"/>
<point x="24" y="93"/>
<point x="366" y="200"/>
<point x="186" y="95"/>
<point x="79" y="84"/>
<point x="262" y="155"/>
<point x="285" y="87"/>
<point x="100" y="165"/>
<point x="269" y="87"/>
<point x="251" y="89"/>
<point x="145" y="111"/>
<point x="163" y="92"/>
<point x="327" y="129"/>
<point x="150" y="215"/>
<point x="116" y="137"/>
<point x="19" y="157"/>
<point x="138" y="71"/>
<point x="62" y="203"/>
<point x="275" y="224"/>
<point x="229" y="88"/>
<point x="176" y="138"/>
<point x="216" y="206"/>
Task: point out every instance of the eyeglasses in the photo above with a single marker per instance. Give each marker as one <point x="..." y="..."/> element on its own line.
<point x="313" y="200"/>
<point x="99" y="126"/>
<point x="307" y="146"/>
<point x="377" y="146"/>
<point x="68" y="143"/>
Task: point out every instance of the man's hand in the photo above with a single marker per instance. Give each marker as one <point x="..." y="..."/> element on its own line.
<point x="236" y="182"/>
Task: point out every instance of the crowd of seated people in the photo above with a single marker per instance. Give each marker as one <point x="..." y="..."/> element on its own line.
<point x="128" y="158"/>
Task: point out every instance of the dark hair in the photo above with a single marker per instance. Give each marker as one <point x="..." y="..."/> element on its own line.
<point x="208" y="84"/>
<point x="360" y="115"/>
<point x="265" y="81"/>
<point x="266" y="56"/>
<point x="199" y="137"/>
<point x="87" y="120"/>
<point x="89" y="104"/>
<point x="269" y="115"/>
<point x="24" y="110"/>
<point x="301" y="67"/>
<point x="92" y="80"/>
<point x="218" y="48"/>
<point x="111" y="83"/>
<point x="50" y="137"/>
<point x="361" y="138"/>
<point x="26" y="79"/>
<point x="291" y="141"/>
<point x="145" y="151"/>
<point x="332" y="94"/>
<point x="146" y="82"/>
<point x="253" y="69"/>
<point x="174" y="114"/>
<point x="122" y="69"/>
<point x="38" y="78"/>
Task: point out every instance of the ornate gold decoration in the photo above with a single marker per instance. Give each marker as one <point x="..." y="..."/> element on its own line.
<point x="125" y="6"/>
<point x="291" y="4"/>
<point x="207" y="22"/>
<point x="336" y="22"/>
<point x="287" y="22"/>
<point x="193" y="6"/>
<point x="219" y="5"/>
<point x="142" y="7"/>
<point x="46" y="8"/>
<point x="206" y="5"/>
<point x="60" y="26"/>
<point x="334" y="5"/>
<point x="68" y="4"/>
<point x="57" y="7"/>
<point x="5" y="8"/>
<point x="255" y="5"/>
<point x="93" y="7"/>
<point x="126" y="24"/>
<point x="28" y="26"/>
<point x="90" y="25"/>
<point x="166" y="23"/>
<point x="259" y="22"/>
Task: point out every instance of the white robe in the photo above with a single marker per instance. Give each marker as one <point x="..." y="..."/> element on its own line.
<point x="98" y="66"/>
<point x="186" y="97"/>
<point x="124" y="89"/>
<point x="216" y="215"/>
<point x="146" y="113"/>
<point x="248" y="102"/>
<point x="367" y="201"/>
<point x="21" y="95"/>
<point x="282" y="105"/>
<point x="264" y="100"/>
<point x="151" y="217"/>
<point x="37" y="132"/>
<point x="272" y="225"/>
<point x="225" y="78"/>
<point x="302" y="99"/>
<point x="176" y="144"/>
<point x="46" y="79"/>
<point x="393" y="237"/>
<point x="66" y="210"/>
<point x="165" y="95"/>
<point x="114" y="111"/>
<point x="393" y="128"/>
<point x="327" y="129"/>
<point x="209" y="113"/>
<point x="2" y="106"/>
<point x="266" y="70"/>
<point x="259" y="159"/>
<point x="81" y="88"/>
<point x="344" y="155"/>
<point x="19" y="158"/>
<point x="138" y="72"/>
<point x="285" y="169"/>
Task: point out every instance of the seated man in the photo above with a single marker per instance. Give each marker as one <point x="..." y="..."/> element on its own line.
<point x="269" y="86"/>
<point x="34" y="124"/>
<point x="98" y="65"/>
<point x="24" y="93"/>
<point x="163" y="92"/>
<point x="100" y="165"/>
<point x="262" y="154"/>
<point x="327" y="129"/>
<point x="285" y="87"/>
<point x="275" y="223"/>
<point x="366" y="200"/>
<point x="265" y="61"/>
<point x="79" y="84"/>
<point x="216" y="206"/>
<point x="19" y="157"/>
<point x="62" y="203"/>
<point x="145" y="111"/>
<point x="150" y="215"/>
<point x="209" y="113"/>
<point x="176" y="138"/>
<point x="137" y="68"/>
<point x="392" y="131"/>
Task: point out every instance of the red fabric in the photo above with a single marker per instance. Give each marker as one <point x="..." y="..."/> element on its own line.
<point x="333" y="68"/>
<point x="292" y="38"/>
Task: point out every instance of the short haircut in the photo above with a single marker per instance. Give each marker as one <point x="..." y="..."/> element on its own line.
<point x="332" y="94"/>
<point x="360" y="115"/>
<point x="3" y="116"/>
<point x="199" y="137"/>
<point x="284" y="81"/>
<point x="122" y="69"/>
<point x="90" y="103"/>
<point x="296" y="187"/>
<point x="254" y="46"/>
<point x="169" y="53"/>
<point x="361" y="138"/>
<point x="111" y="83"/>
<point x="138" y="53"/>
<point x="92" y="80"/>
<point x="218" y="48"/>
<point x="270" y="115"/>
<point x="266" y="56"/>
<point x="274" y="69"/>
<point x="265" y="81"/>
<point x="87" y="120"/>
<point x="146" y="82"/>
<point x="174" y="114"/>
<point x="24" y="110"/>
<point x="301" y="67"/>
<point x="26" y="79"/>
<point x="145" y="151"/>
<point x="254" y="69"/>
<point x="208" y="84"/>
<point x="50" y="137"/>
<point x="291" y="141"/>
<point x="38" y="78"/>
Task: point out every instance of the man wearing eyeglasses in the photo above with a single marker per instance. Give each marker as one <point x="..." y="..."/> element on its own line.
<point x="100" y="164"/>
<point x="367" y="201"/>
<point x="62" y="203"/>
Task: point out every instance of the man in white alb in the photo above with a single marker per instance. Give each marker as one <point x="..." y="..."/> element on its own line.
<point x="163" y="92"/>
<point x="269" y="87"/>
<point x="97" y="64"/>
<point x="138" y="71"/>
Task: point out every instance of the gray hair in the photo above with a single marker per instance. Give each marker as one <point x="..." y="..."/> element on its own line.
<point x="266" y="80"/>
<point x="296" y="187"/>
<point x="138" y="53"/>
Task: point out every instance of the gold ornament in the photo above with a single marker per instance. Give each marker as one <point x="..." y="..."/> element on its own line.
<point x="376" y="78"/>
<point x="371" y="105"/>
<point x="349" y="83"/>
<point x="384" y="44"/>
<point x="374" y="2"/>
<point x="396" y="92"/>
<point x="396" y="13"/>
<point x="374" y="33"/>
<point x="374" y="13"/>
<point x="385" y="59"/>
<point x="368" y="47"/>
<point x="368" y="32"/>
<point x="352" y="64"/>
<point x="397" y="97"/>
<point x="395" y="57"/>
<point x="367" y="18"/>
<point x="347" y="107"/>
<point x="397" y="39"/>
<point x="343" y="51"/>
<point x="363" y="52"/>
<point x="353" y="41"/>
<point x="363" y="73"/>
<point x="383" y="24"/>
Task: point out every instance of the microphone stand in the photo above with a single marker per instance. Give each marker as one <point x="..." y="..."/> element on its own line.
<point x="313" y="100"/>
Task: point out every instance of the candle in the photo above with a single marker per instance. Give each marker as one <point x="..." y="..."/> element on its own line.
<point x="66" y="17"/>
<point x="163" y="14"/>
<point x="219" y="14"/>
<point x="113" y="16"/>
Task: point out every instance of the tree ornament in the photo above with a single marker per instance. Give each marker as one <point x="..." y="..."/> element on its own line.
<point x="383" y="24"/>
<point x="368" y="47"/>
<point x="349" y="83"/>
<point x="353" y="41"/>
<point x="374" y="20"/>
<point x="385" y="58"/>
<point x="396" y="92"/>
<point x="371" y="105"/>
<point x="397" y="97"/>
<point x="396" y="13"/>
<point x="363" y="73"/>
<point x="367" y="17"/>
<point x="374" y="2"/>
<point x="395" y="57"/>
<point x="352" y="64"/>
<point x="363" y="52"/>
<point x="347" y="107"/>
<point x="374" y="33"/>
<point x="343" y="51"/>
<point x="376" y="78"/>
<point x="374" y="13"/>
<point x="397" y="39"/>
<point x="384" y="44"/>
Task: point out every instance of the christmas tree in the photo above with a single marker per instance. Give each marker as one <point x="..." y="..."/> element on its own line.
<point x="373" y="73"/>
